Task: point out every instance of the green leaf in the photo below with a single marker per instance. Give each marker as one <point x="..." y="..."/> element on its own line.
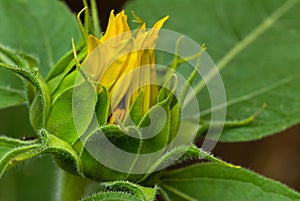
<point x="13" y="151"/>
<point x="183" y="152"/>
<point x="255" y="44"/>
<point x="112" y="196"/>
<point x="43" y="28"/>
<point x="11" y="89"/>
<point x="212" y="182"/>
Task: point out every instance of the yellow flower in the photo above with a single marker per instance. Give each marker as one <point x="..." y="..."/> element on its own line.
<point x="123" y="51"/>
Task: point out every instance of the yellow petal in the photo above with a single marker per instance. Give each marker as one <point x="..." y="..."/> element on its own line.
<point x="148" y="78"/>
<point x="121" y="23"/>
<point x="116" y="63"/>
<point x="152" y="34"/>
<point x="140" y="32"/>
<point x="111" y="28"/>
<point x="93" y="42"/>
<point x="124" y="84"/>
<point x="160" y="23"/>
<point x="145" y="79"/>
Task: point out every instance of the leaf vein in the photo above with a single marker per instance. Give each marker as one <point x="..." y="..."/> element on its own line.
<point x="252" y="36"/>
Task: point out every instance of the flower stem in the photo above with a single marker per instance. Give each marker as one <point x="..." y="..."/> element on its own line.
<point x="70" y="187"/>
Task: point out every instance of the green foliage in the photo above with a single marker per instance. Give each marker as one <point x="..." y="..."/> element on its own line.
<point x="12" y="89"/>
<point x="255" y="44"/>
<point x="213" y="182"/>
<point x="256" y="51"/>
<point x="41" y="107"/>
<point x="41" y="28"/>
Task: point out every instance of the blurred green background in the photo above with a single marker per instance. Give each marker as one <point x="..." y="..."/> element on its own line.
<point x="275" y="157"/>
<point x="27" y="181"/>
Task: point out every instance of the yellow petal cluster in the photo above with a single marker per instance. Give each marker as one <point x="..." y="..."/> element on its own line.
<point x="123" y="51"/>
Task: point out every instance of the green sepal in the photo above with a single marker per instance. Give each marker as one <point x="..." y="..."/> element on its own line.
<point x="122" y="139"/>
<point x="60" y="121"/>
<point x="102" y="106"/>
<point x="14" y="151"/>
<point x="161" y="139"/>
<point x="66" y="84"/>
<point x="17" y="58"/>
<point x="111" y="132"/>
<point x="94" y="170"/>
<point x="85" y="28"/>
<point x="91" y="23"/>
<point x="135" y="111"/>
<point x="174" y="121"/>
<point x="65" y="61"/>
<point x="161" y="136"/>
<point x="34" y="78"/>
<point x="119" y="139"/>
<point x="95" y="19"/>
<point x="55" y="82"/>
<point x="66" y="156"/>
<point x="35" y="114"/>
<point x="141" y="192"/>
<point x="8" y="56"/>
<point x="30" y="93"/>
<point x="109" y="196"/>
<point x="165" y="92"/>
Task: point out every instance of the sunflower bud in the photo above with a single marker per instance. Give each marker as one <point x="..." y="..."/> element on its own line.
<point x="111" y="97"/>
